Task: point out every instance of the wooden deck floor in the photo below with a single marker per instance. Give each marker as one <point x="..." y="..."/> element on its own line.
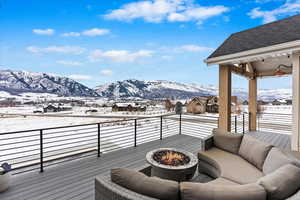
<point x="75" y="180"/>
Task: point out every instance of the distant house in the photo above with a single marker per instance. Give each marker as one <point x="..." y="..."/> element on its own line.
<point x="276" y="103"/>
<point x="210" y="104"/>
<point x="128" y="107"/>
<point x="197" y="105"/>
<point x="9" y="102"/>
<point x="50" y="108"/>
<point x="56" y="108"/>
<point x="261" y="102"/>
<point x="91" y="111"/>
<point x="289" y="102"/>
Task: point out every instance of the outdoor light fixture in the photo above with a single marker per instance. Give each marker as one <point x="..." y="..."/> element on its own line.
<point x="279" y="70"/>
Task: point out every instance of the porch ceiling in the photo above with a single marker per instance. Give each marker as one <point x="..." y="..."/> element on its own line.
<point x="258" y="52"/>
<point x="263" y="67"/>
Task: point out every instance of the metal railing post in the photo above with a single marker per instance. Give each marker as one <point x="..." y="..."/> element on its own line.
<point x="243" y="122"/>
<point x="98" y="149"/>
<point x="135" y="132"/>
<point x="41" y="152"/>
<point x="235" y="124"/>
<point x="161" y="126"/>
<point x="249" y="120"/>
<point x="180" y="124"/>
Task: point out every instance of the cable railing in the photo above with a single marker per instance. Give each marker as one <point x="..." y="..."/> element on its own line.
<point x="240" y="123"/>
<point x="40" y="148"/>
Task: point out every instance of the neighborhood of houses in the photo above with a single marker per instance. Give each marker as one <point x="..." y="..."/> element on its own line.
<point x="196" y="105"/>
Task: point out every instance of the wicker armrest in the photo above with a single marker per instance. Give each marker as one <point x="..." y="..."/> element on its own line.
<point x="105" y="189"/>
<point x="207" y="143"/>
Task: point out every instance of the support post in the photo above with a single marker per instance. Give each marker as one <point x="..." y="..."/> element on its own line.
<point x="296" y="103"/>
<point x="252" y="104"/>
<point x="225" y="98"/>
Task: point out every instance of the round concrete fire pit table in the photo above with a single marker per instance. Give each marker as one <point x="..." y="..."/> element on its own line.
<point x="177" y="173"/>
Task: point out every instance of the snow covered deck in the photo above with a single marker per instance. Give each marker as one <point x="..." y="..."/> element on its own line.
<point x="75" y="179"/>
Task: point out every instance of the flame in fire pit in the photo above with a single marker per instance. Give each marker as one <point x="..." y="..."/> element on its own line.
<point x="169" y="157"/>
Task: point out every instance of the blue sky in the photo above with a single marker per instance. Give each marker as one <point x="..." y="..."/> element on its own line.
<point x="99" y="41"/>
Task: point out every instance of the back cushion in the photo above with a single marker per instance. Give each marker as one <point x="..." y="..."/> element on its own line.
<point x="142" y="184"/>
<point x="282" y="183"/>
<point x="228" y="142"/>
<point x="276" y="159"/>
<point x="254" y="151"/>
<point x="216" y="131"/>
<point x="200" y="191"/>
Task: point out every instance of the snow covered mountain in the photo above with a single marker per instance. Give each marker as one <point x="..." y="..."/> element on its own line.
<point x="16" y="82"/>
<point x="158" y="89"/>
<point x="166" y="89"/>
<point x="151" y="89"/>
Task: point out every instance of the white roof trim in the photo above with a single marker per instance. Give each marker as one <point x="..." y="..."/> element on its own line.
<point x="261" y="53"/>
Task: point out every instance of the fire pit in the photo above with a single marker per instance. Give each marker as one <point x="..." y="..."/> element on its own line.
<point x="172" y="164"/>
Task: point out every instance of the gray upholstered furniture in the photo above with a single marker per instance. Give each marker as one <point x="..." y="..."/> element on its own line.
<point x="243" y="169"/>
<point x="241" y="160"/>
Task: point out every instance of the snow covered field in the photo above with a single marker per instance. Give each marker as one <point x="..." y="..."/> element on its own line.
<point x="24" y="148"/>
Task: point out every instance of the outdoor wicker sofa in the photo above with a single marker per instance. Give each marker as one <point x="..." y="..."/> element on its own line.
<point x="243" y="168"/>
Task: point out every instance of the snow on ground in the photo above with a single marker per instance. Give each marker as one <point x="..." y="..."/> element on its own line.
<point x="24" y="147"/>
<point x="10" y="124"/>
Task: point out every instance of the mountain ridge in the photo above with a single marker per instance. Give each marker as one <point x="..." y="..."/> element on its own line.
<point x="18" y="82"/>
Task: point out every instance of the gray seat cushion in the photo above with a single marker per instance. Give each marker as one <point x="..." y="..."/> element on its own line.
<point x="222" y="181"/>
<point x="254" y="150"/>
<point x="228" y="142"/>
<point x="199" y="191"/>
<point x="229" y="166"/>
<point x="282" y="183"/>
<point x="142" y="184"/>
<point x="276" y="159"/>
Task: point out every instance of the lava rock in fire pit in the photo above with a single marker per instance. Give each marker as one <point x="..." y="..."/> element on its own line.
<point x="170" y="157"/>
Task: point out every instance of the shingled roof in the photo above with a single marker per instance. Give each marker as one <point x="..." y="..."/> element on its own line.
<point x="282" y="31"/>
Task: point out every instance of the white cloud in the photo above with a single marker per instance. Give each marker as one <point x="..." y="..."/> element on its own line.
<point x="71" y="34"/>
<point x="156" y="11"/>
<point x="57" y="49"/>
<point x="118" y="55"/>
<point x="95" y="32"/>
<point x="80" y="77"/>
<point x="197" y="14"/>
<point x="106" y="72"/>
<point x="194" y="48"/>
<point x="43" y="31"/>
<point x="89" y="32"/>
<point x="70" y="63"/>
<point x="290" y="7"/>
